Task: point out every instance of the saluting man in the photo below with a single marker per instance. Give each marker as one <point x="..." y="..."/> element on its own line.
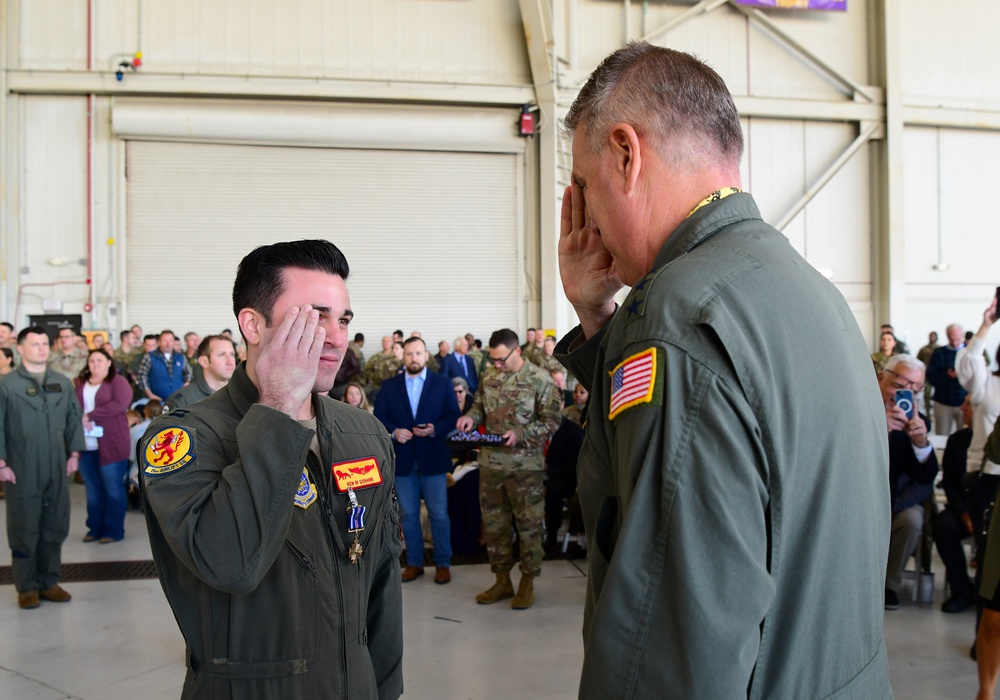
<point x="270" y="506"/>
<point x="41" y="436"/>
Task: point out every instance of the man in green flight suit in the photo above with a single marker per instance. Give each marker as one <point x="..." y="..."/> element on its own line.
<point x="519" y="402"/>
<point x="270" y="506"/>
<point x="734" y="482"/>
<point x="41" y="436"/>
<point x="216" y="358"/>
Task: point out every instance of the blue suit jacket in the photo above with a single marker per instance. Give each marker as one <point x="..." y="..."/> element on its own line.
<point x="450" y="368"/>
<point x="437" y="406"/>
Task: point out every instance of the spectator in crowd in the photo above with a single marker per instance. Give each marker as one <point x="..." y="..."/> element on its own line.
<point x="912" y="468"/>
<point x="432" y="363"/>
<point x="8" y="339"/>
<point x="66" y="358"/>
<point x="149" y="344"/>
<point x="558" y="375"/>
<point x="380" y="367"/>
<point x="163" y="371"/>
<point x="887" y="347"/>
<point x="462" y="394"/>
<point x="576" y="410"/>
<point x="151" y="410"/>
<point x="191" y="342"/>
<point x="41" y="437"/>
<point x="98" y="342"/>
<point x="955" y="522"/>
<point x="397" y="336"/>
<point x="419" y="409"/>
<point x="354" y="394"/>
<point x="217" y="361"/>
<point x="356" y="346"/>
<point x="137" y="335"/>
<point x="105" y="397"/>
<point x="443" y="350"/>
<point x="727" y="505"/>
<point x="475" y="353"/>
<point x="529" y="341"/>
<point x="948" y="391"/>
<point x="536" y="352"/>
<point x="983" y="389"/>
<point x="459" y="364"/>
<point x="520" y="403"/>
<point x="125" y="354"/>
<point x="7" y="363"/>
<point x="901" y="347"/>
<point x="560" y="479"/>
<point x="924" y="355"/>
<point x="350" y="370"/>
<point x="988" y="634"/>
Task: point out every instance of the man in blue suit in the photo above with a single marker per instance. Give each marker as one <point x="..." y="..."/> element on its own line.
<point x="419" y="409"/>
<point x="459" y="364"/>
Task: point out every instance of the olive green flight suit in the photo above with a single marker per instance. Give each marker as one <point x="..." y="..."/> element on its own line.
<point x="197" y="390"/>
<point x="40" y="424"/>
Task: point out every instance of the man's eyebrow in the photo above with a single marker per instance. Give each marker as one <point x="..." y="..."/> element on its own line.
<point x="327" y="310"/>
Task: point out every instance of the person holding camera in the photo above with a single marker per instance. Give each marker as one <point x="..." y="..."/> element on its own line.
<point x="912" y="465"/>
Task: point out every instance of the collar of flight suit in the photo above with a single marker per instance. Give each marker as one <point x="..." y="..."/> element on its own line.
<point x="245" y="394"/>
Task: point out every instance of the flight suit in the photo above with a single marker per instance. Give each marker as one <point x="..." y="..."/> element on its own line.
<point x="40" y="424"/>
<point x="250" y="537"/>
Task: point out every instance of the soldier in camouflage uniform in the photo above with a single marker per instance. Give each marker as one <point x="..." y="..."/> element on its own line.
<point x="381" y="367"/>
<point x="518" y="401"/>
<point x="66" y="358"/>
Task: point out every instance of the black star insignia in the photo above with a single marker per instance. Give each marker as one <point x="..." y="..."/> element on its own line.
<point x="633" y="308"/>
<point x="642" y="283"/>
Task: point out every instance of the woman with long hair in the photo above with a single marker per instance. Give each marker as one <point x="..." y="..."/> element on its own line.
<point x="105" y="397"/>
<point x="354" y="394"/>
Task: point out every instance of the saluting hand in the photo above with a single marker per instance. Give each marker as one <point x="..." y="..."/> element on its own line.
<point x="287" y="366"/>
<point x="587" y="269"/>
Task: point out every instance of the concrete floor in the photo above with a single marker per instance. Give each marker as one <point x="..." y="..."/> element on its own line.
<point x="118" y="640"/>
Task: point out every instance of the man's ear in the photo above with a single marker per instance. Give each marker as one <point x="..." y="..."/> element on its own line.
<point x="203" y="361"/>
<point x="625" y="147"/>
<point x="251" y="323"/>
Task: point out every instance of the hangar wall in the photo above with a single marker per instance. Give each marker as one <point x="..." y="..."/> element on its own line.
<point x="869" y="132"/>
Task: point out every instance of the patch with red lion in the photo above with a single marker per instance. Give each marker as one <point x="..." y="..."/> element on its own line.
<point x="356" y="474"/>
<point x="169" y="450"/>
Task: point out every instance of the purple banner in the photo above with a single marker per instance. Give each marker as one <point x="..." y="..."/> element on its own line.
<point x="840" y="5"/>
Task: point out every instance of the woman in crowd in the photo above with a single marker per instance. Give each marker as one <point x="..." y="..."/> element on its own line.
<point x="355" y="395"/>
<point x="887" y="347"/>
<point x="105" y="397"/>
<point x="6" y="361"/>
<point x="462" y="394"/>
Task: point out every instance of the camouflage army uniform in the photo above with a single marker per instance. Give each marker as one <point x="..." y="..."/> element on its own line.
<point x="125" y="360"/>
<point x="380" y="368"/>
<point x="68" y="364"/>
<point x="353" y="347"/>
<point x="510" y="481"/>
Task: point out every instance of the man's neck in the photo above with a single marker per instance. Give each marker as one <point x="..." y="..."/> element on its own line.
<point x="214" y="383"/>
<point x="33" y="367"/>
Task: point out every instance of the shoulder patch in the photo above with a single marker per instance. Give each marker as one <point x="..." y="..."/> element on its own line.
<point x="169" y="450"/>
<point x="635" y="381"/>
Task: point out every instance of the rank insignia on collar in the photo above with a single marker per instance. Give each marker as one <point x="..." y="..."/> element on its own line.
<point x="356" y="474"/>
<point x="168" y="450"/>
<point x="306" y="493"/>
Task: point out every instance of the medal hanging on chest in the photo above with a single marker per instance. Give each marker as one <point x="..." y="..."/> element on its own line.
<point x="355" y="524"/>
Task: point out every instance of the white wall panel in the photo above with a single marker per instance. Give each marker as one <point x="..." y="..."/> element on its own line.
<point x="951" y="53"/>
<point x="52" y="34"/>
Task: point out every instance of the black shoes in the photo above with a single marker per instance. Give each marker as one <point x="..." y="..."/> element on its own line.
<point x="959" y="601"/>
<point x="891" y="600"/>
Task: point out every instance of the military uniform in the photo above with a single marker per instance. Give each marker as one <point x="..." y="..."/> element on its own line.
<point x="380" y="368"/>
<point x="125" y="361"/>
<point x="511" y="478"/>
<point x="69" y="364"/>
<point x="40" y="424"/>
<point x="195" y="391"/>
<point x="734" y="483"/>
<point x="358" y="353"/>
<point x="249" y="532"/>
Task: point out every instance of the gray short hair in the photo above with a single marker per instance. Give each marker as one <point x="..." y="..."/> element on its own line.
<point x="460" y="381"/>
<point x="669" y="97"/>
<point x="906" y="361"/>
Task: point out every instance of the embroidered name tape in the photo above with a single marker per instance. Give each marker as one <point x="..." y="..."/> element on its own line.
<point x="169" y="450"/>
<point x="356" y="474"/>
<point x="633" y="382"/>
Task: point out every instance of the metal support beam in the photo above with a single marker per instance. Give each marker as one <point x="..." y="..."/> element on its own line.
<point x="951" y="118"/>
<point x="848" y="86"/>
<point x="864" y="137"/>
<point x="890" y="241"/>
<point x="701" y="8"/>
<point x="32" y="82"/>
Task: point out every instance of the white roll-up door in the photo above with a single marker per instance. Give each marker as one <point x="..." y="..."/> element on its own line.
<point x="432" y="237"/>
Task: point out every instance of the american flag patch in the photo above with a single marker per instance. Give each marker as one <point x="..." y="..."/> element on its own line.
<point x="632" y="382"/>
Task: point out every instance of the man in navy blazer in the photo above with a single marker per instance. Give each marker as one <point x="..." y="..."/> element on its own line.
<point x="419" y="409"/>
<point x="459" y="364"/>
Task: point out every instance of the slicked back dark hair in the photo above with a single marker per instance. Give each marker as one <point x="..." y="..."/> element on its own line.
<point x="670" y="98"/>
<point x="259" y="279"/>
<point x="505" y="337"/>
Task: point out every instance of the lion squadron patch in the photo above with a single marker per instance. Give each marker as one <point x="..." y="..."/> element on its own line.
<point x="170" y="449"/>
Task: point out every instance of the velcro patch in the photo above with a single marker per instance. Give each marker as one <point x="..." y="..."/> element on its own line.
<point x="356" y="474"/>
<point x="634" y="382"/>
<point x="169" y="450"/>
<point x="306" y="493"/>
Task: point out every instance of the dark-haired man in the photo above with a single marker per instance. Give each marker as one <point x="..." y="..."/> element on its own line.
<point x="519" y="402"/>
<point x="270" y="506"/>
<point x="41" y="437"/>
<point x="217" y="361"/>
<point x="734" y="484"/>
<point x="66" y="358"/>
<point x="163" y="371"/>
<point x="418" y="407"/>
